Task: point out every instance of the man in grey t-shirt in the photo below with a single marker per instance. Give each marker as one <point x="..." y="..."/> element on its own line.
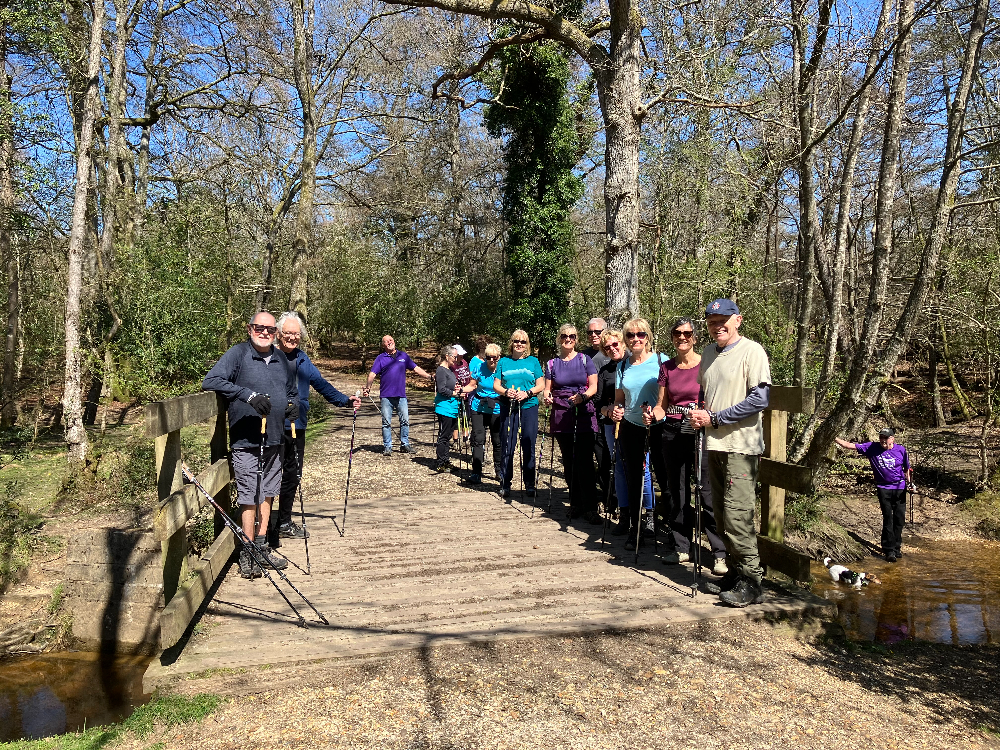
<point x="736" y="379"/>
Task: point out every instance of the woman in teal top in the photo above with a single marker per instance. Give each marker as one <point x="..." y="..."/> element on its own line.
<point x="447" y="393"/>
<point x="637" y="390"/>
<point x="519" y="380"/>
<point x="485" y="408"/>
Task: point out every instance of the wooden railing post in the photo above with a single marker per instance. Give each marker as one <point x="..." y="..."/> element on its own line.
<point x="169" y="479"/>
<point x="219" y="443"/>
<point x="772" y="499"/>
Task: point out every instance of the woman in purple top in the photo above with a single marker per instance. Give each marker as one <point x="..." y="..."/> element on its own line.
<point x="570" y="385"/>
<point x="893" y="473"/>
<point x="679" y="388"/>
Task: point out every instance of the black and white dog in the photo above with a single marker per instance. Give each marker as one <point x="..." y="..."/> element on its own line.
<point x="843" y="574"/>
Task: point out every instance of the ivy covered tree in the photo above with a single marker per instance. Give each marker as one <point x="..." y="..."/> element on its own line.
<point x="532" y="110"/>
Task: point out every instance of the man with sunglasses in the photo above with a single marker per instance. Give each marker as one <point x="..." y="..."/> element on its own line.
<point x="596" y="327"/>
<point x="255" y="379"/>
<point x="735" y="378"/>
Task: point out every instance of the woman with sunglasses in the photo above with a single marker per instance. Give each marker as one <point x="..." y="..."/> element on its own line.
<point x="570" y="384"/>
<point x="487" y="413"/>
<point x="635" y="393"/>
<point x="679" y="387"/>
<point x="613" y="346"/>
<point x="519" y="380"/>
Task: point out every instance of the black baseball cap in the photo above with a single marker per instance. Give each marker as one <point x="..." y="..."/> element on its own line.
<point x="722" y="307"/>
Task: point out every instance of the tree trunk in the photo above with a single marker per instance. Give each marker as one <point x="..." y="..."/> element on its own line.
<point x="7" y="252"/>
<point x="302" y="63"/>
<point x="859" y="395"/>
<point x="76" y="435"/>
<point x="619" y="92"/>
<point x="934" y="384"/>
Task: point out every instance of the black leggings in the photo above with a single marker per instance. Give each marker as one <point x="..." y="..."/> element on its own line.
<point x="676" y="502"/>
<point x="578" y="469"/>
<point x="446" y="426"/>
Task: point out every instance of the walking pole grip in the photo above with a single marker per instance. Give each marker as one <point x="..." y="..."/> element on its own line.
<point x="293" y="429"/>
<point x="263" y="425"/>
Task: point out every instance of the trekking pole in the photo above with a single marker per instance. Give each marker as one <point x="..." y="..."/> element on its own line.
<point x="642" y="488"/>
<point x="909" y="492"/>
<point x="520" y="450"/>
<point x="698" y="458"/>
<point x="350" y="460"/>
<point x="611" y="481"/>
<point x="541" y="453"/>
<point x="254" y="552"/>
<point x="571" y="473"/>
<point x="552" y="443"/>
<point x="302" y="507"/>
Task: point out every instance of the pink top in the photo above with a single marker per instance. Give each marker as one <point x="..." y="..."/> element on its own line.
<point x="682" y="385"/>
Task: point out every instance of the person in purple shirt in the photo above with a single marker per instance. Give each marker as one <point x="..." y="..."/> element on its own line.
<point x="390" y="367"/>
<point x="893" y="473"/>
<point x="570" y="385"/>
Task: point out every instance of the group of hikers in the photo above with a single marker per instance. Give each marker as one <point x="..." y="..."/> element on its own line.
<point x="617" y="409"/>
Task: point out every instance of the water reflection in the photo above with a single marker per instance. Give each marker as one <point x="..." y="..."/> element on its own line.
<point x="51" y="694"/>
<point x="945" y="592"/>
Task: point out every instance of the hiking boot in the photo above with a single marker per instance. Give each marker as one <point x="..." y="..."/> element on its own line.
<point x="728" y="581"/>
<point x="443" y="466"/>
<point x="891" y="557"/>
<point x="292" y="530"/>
<point x="248" y="566"/>
<point x="406" y="449"/>
<point x="529" y="493"/>
<point x="719" y="567"/>
<point x="476" y="479"/>
<point x="672" y="558"/>
<point x="746" y="591"/>
<point x="270" y="560"/>
<point x="593" y="517"/>
<point x="620" y="528"/>
<point x="387" y="452"/>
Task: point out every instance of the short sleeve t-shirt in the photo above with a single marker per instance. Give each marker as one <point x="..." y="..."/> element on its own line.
<point x="568" y="378"/>
<point x="726" y="378"/>
<point x="681" y="386"/>
<point x="520" y="374"/>
<point x="484" y="376"/>
<point x="462" y="372"/>
<point x="391" y="372"/>
<point x="640" y="385"/>
<point x="889" y="464"/>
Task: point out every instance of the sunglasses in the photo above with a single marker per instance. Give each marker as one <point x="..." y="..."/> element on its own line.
<point x="519" y="341"/>
<point x="682" y="334"/>
<point x="567" y="337"/>
<point x="269" y="330"/>
<point x="595" y="332"/>
<point x="490" y="356"/>
<point x="613" y="345"/>
<point x="641" y="335"/>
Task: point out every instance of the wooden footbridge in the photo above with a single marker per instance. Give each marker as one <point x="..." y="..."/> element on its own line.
<point x="421" y="562"/>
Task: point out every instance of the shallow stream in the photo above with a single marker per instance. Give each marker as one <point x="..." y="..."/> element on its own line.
<point x="944" y="592"/>
<point x="47" y="694"/>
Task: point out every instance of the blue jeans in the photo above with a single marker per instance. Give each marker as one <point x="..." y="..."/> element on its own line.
<point x="621" y="481"/>
<point x="387" y="405"/>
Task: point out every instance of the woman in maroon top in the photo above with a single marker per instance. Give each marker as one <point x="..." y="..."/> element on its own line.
<point x="679" y="387"/>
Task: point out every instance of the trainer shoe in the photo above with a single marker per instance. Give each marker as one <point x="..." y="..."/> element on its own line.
<point x="387" y="451"/>
<point x="443" y="466"/>
<point x="476" y="479"/>
<point x="292" y="530"/>
<point x="747" y="591"/>
<point x="719" y="567"/>
<point x="270" y="560"/>
<point x="529" y="493"/>
<point x="728" y="581"/>
<point x="248" y="566"/>
<point x="671" y="558"/>
<point x="593" y="517"/>
<point x="683" y="557"/>
<point x="620" y="528"/>
<point x="406" y="449"/>
<point x="891" y="557"/>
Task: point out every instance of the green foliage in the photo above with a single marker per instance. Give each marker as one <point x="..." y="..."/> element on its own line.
<point x="117" y="472"/>
<point x="802" y="512"/>
<point x="165" y="711"/>
<point x="19" y="535"/>
<point x="536" y="116"/>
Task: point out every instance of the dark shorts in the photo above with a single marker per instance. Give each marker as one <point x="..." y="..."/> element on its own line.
<point x="245" y="469"/>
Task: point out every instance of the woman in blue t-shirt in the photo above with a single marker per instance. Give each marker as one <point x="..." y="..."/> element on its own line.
<point x="636" y="391"/>
<point x="485" y="408"/>
<point x="519" y="380"/>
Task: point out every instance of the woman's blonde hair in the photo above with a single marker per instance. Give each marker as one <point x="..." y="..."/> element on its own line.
<point x="608" y="335"/>
<point x="640" y="324"/>
<point x="510" y="344"/>
<point x="491" y="350"/>
<point x="566" y="328"/>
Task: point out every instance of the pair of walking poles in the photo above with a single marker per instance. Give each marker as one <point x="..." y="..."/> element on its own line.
<point x="255" y="553"/>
